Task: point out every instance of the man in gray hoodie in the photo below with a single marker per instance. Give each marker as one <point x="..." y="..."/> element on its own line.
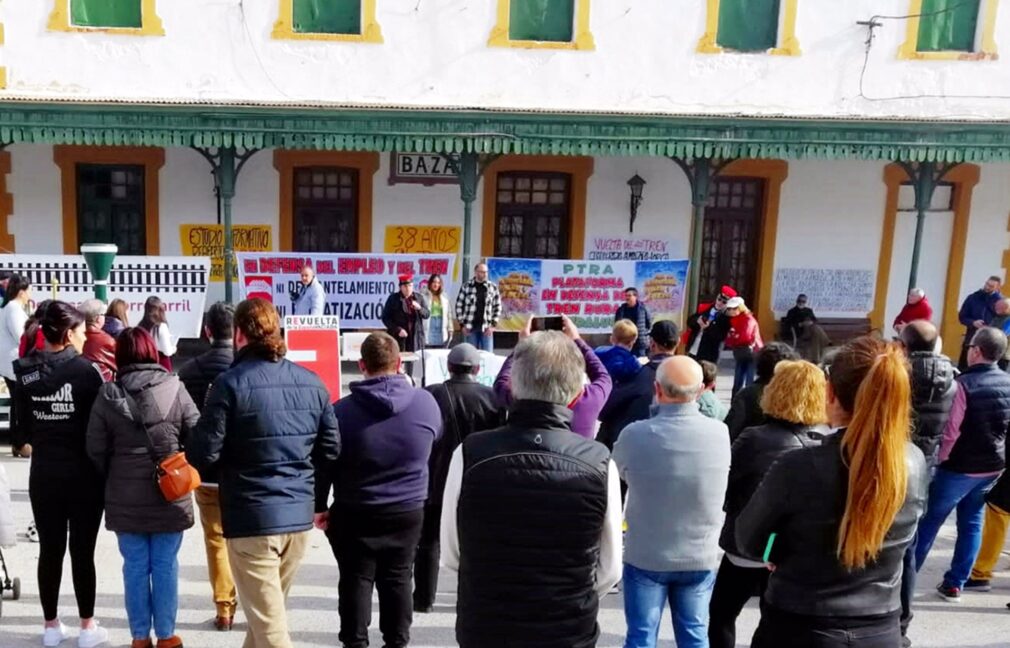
<point x="676" y="465"/>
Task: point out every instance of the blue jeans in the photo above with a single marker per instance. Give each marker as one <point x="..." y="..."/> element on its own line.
<point x="479" y="340"/>
<point x="947" y="491"/>
<point x="688" y="594"/>
<point x="743" y="375"/>
<point x="151" y="579"/>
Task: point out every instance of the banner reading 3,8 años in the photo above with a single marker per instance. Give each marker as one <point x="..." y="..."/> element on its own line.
<point x="589" y="292"/>
<point x="356" y="285"/>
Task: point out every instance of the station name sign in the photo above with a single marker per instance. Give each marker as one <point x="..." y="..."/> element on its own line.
<point x="422" y="168"/>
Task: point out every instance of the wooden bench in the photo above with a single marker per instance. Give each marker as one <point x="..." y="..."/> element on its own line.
<point x="842" y="329"/>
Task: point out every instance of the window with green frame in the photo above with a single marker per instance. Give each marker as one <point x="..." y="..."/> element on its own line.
<point x="748" y="25"/>
<point x="542" y="20"/>
<point x="948" y="25"/>
<point x="327" y="16"/>
<point x="124" y="14"/>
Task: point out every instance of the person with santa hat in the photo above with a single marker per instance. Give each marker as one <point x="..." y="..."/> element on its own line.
<point x="707" y="330"/>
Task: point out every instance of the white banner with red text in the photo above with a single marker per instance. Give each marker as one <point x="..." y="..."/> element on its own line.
<point x="356" y="285"/>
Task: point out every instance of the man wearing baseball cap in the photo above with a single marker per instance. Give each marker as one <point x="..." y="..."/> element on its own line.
<point x="467" y="406"/>
<point x="708" y="329"/>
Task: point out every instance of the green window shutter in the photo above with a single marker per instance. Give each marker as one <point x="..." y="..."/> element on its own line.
<point x="327" y="16"/>
<point x="748" y="25"/>
<point x="542" y="20"/>
<point x="106" y="13"/>
<point x="952" y="30"/>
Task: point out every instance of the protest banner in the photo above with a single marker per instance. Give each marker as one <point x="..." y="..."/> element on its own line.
<point x="314" y="343"/>
<point x="180" y="282"/>
<point x="424" y="239"/>
<point x="208" y="240"/>
<point x="631" y="248"/>
<point x="436" y="367"/>
<point x="356" y="285"/>
<point x="588" y="292"/>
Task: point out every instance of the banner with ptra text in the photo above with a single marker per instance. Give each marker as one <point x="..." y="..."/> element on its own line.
<point x="356" y="285"/>
<point x="180" y="282"/>
<point x="588" y="292"/>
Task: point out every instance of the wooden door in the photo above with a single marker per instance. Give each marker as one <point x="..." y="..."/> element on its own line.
<point x="731" y="236"/>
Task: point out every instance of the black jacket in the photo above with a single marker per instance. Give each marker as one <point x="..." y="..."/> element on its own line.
<point x="628" y="403"/>
<point x="395" y="316"/>
<point x="712" y="338"/>
<point x="933" y="391"/>
<point x="198" y="374"/>
<point x="754" y="452"/>
<point x="745" y="410"/>
<point x="530" y="514"/>
<point x="55" y="393"/>
<point x="802" y="500"/>
<point x="118" y="444"/>
<point x="981" y="446"/>
<point x="467" y="407"/>
<point x="266" y="425"/>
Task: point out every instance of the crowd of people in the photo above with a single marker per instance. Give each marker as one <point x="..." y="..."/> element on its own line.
<point x="820" y="490"/>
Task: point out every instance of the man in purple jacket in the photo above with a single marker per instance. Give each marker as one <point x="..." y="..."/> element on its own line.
<point x="380" y="487"/>
<point x="586" y="408"/>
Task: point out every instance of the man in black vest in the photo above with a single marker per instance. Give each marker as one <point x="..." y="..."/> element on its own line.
<point x="531" y="516"/>
<point x="467" y="407"/>
<point x="971" y="457"/>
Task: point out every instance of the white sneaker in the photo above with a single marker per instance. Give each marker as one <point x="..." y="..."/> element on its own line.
<point x="93" y="636"/>
<point x="54" y="636"/>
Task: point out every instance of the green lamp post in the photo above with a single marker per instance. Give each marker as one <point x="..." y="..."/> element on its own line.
<point x="99" y="257"/>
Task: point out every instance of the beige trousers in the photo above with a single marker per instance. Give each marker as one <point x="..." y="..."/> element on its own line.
<point x="264" y="568"/>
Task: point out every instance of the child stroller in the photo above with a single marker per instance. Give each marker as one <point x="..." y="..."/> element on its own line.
<point x="7" y="539"/>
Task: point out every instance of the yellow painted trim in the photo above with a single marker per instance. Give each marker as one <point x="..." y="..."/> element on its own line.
<point x="583" y="39"/>
<point x="789" y="44"/>
<point x="366" y="163"/>
<point x="6" y="205"/>
<point x="284" y="28"/>
<point x="964" y="177"/>
<point x="774" y="173"/>
<point x="987" y="50"/>
<point x="67" y="157"/>
<point x="580" y="168"/>
<point x="3" y="71"/>
<point x="59" y="20"/>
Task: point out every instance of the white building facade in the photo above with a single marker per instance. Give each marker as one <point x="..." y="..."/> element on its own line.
<point x="814" y="130"/>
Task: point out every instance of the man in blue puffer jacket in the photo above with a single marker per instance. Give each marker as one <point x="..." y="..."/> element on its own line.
<point x="266" y="426"/>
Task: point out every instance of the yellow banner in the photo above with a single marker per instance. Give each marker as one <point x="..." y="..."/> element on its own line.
<point x="208" y="240"/>
<point x="424" y="239"/>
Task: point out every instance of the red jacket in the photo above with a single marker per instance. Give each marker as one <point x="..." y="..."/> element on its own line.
<point x="100" y="348"/>
<point x="744" y="332"/>
<point x="912" y="312"/>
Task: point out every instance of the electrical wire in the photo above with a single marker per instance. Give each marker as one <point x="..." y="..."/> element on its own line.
<point x="872" y="24"/>
<point x="256" y="54"/>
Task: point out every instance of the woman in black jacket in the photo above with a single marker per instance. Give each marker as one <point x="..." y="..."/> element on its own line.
<point x="56" y="390"/>
<point x="793" y="404"/>
<point x="838" y="517"/>
<point x="138" y="421"/>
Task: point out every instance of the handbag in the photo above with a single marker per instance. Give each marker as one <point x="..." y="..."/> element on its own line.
<point x="175" y="477"/>
<point x="743" y="354"/>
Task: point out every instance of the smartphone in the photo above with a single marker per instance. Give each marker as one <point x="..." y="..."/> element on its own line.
<point x="548" y="323"/>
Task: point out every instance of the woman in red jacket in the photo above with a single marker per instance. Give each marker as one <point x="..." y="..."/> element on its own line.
<point x="744" y="340"/>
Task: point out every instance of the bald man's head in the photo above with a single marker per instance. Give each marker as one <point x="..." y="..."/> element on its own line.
<point x="679" y="379"/>
<point x="919" y="336"/>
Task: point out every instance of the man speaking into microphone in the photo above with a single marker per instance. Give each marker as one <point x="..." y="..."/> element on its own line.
<point x="403" y="314"/>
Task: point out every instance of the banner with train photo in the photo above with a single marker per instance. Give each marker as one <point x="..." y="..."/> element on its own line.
<point x="356" y="285"/>
<point x="589" y="292"/>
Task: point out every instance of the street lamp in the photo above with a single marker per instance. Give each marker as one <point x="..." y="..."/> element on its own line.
<point x="99" y="257"/>
<point x="636" y="183"/>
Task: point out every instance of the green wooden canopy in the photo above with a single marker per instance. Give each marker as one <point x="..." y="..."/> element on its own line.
<point x="533" y="133"/>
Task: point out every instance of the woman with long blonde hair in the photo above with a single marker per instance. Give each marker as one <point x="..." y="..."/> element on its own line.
<point x="835" y="520"/>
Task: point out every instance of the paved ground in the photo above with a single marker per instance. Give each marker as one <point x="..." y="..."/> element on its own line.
<point x="980" y="620"/>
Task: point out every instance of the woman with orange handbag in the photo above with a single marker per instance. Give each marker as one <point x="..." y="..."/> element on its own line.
<point x="139" y="424"/>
